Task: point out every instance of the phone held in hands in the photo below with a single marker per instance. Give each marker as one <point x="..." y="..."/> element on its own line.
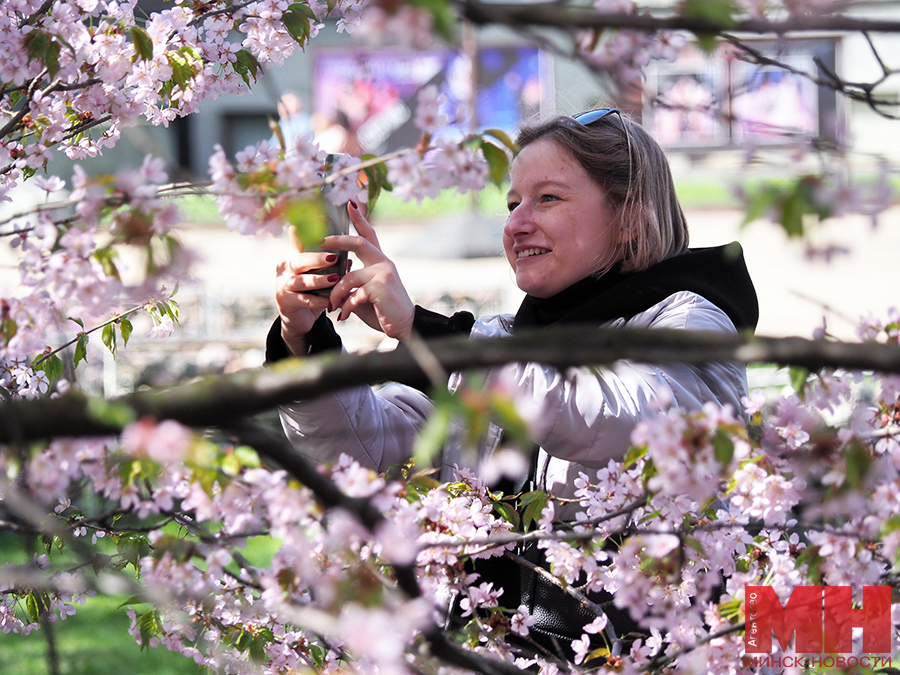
<point x="337" y="221"/>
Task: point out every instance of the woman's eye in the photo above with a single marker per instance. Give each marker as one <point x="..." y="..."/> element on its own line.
<point x="512" y="206"/>
<point x="549" y="198"/>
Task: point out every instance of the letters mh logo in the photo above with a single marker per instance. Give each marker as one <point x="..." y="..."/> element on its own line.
<point x="822" y="617"/>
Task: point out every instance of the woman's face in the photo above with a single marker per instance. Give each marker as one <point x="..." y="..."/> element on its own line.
<point x="559" y="229"/>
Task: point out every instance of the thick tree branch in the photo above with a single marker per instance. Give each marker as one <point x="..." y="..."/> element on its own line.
<point x="552" y="15"/>
<point x="217" y="401"/>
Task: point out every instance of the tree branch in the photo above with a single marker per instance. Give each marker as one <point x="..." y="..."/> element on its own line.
<point x="215" y="401"/>
<point x="552" y="15"/>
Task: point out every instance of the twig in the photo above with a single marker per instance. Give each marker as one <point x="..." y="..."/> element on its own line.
<point x="658" y="663"/>
<point x="116" y="318"/>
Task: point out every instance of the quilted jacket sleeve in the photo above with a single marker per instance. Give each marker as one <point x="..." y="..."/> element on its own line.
<point x="376" y="429"/>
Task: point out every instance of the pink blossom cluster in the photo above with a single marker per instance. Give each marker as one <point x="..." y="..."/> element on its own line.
<point x="624" y="53"/>
<point x="69" y="267"/>
<point x="447" y="165"/>
<point x="257" y="193"/>
<point x="406" y="25"/>
<point x="87" y="64"/>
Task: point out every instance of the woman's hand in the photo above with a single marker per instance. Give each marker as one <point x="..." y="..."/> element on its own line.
<point x="299" y="310"/>
<point x="374" y="293"/>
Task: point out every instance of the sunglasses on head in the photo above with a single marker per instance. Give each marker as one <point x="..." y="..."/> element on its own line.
<point x="588" y="117"/>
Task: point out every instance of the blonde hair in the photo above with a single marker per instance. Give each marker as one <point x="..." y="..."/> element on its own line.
<point x="632" y="169"/>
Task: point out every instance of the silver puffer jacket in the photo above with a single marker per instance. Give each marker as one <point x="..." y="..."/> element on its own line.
<point x="581" y="417"/>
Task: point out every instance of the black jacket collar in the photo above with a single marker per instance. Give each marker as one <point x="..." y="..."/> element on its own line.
<point x="718" y="274"/>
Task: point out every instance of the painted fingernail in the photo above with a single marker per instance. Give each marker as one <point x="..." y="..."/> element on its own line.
<point x="332" y="278"/>
<point x="331" y="258"/>
<point x="353" y="205"/>
<point x="330" y="308"/>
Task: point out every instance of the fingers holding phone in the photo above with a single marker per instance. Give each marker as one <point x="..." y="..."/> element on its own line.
<point x="301" y="294"/>
<point x="374" y="292"/>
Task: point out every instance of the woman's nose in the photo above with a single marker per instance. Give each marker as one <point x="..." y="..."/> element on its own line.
<point x="518" y="222"/>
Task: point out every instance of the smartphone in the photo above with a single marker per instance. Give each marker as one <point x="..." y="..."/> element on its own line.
<point x="337" y="221"/>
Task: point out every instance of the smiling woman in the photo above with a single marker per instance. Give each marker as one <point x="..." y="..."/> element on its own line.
<point x="595" y="236"/>
<point x="549" y="242"/>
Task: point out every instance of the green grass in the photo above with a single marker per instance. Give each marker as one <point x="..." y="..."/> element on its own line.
<point x="93" y="642"/>
<point x="96" y="641"/>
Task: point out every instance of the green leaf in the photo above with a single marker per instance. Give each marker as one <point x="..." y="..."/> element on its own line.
<point x="182" y="69"/>
<point x="257" y="650"/>
<point x="723" y="447"/>
<point x="52" y="366"/>
<point x="506" y="415"/>
<point x="857" y="460"/>
<point x="230" y="464"/>
<point x="116" y="415"/>
<point x="106" y="257"/>
<point x="792" y="211"/>
<point x="78" y="321"/>
<point x="718" y="13"/>
<point x="143" y="43"/>
<point x="508" y="513"/>
<point x="8" y="329"/>
<point x="100" y="562"/>
<point x="317" y="655"/>
<point x="35" y="606"/>
<point x="133" y="600"/>
<point x="498" y="162"/>
<point x="892" y="524"/>
<point x="503" y="137"/>
<point x="799" y="375"/>
<point x="431" y="438"/>
<point x="633" y="454"/>
<point x="246" y="65"/>
<point x="730" y="608"/>
<point x="532" y="512"/>
<point x="304" y="10"/>
<point x="108" y="335"/>
<point x="126" y="328"/>
<point x="51" y="58"/>
<point x="307" y="217"/>
<point x="762" y="202"/>
<point x="39" y="46"/>
<point x="149" y="626"/>
<point x="248" y="456"/>
<point x="81" y="349"/>
<point x="445" y="21"/>
<point x="377" y="181"/>
<point x="133" y="548"/>
<point x="297" y="25"/>
<point x="708" y="42"/>
<point x="599" y="653"/>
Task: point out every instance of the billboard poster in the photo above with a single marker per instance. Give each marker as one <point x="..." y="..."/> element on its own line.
<point x="687" y="95"/>
<point x="703" y="102"/>
<point x="369" y="97"/>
